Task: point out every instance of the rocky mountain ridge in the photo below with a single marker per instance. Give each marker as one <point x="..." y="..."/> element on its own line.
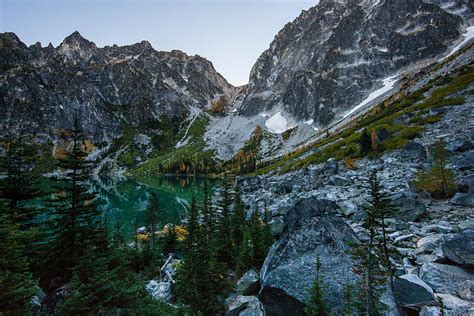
<point x="319" y="67"/>
<point x="110" y="86"/>
<point x="318" y="208"/>
<point x="334" y="54"/>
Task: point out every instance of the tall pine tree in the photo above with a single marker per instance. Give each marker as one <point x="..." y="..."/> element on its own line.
<point x="316" y="305"/>
<point x="17" y="286"/>
<point x="75" y="210"/>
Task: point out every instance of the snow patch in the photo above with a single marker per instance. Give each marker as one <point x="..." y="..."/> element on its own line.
<point x="467" y="37"/>
<point x="277" y="123"/>
<point x="388" y="84"/>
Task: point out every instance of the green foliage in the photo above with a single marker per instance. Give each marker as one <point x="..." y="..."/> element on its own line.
<point x="349" y="305"/>
<point x="365" y="142"/>
<point x="373" y="258"/>
<point x="200" y="279"/>
<point x="102" y="283"/>
<point x="218" y="239"/>
<point x="439" y="180"/>
<point x="316" y="306"/>
<point x="17" y="285"/>
<point x="74" y="211"/>
<point x="190" y="158"/>
<point x="151" y="214"/>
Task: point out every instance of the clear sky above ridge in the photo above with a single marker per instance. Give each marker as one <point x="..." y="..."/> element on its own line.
<point x="230" y="33"/>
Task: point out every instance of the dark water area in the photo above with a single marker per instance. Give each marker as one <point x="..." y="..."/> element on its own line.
<point x="125" y="200"/>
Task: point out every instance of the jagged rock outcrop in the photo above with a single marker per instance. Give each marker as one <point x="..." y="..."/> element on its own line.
<point x="111" y="87"/>
<point x="332" y="56"/>
<point x="290" y="266"/>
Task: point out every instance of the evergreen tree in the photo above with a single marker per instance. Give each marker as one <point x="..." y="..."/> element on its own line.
<point x="188" y="276"/>
<point x="19" y="188"/>
<point x="381" y="207"/>
<point x="439" y="180"/>
<point x="316" y="306"/>
<point x="136" y="259"/>
<point x="152" y="217"/>
<point x="245" y="257"/>
<point x="17" y="286"/>
<point x="75" y="210"/>
<point x="20" y="183"/>
<point x="170" y="239"/>
<point x="103" y="283"/>
<point x="349" y="306"/>
<point x="238" y="225"/>
<point x="371" y="263"/>
<point x="208" y="215"/>
<point x="365" y="142"/>
<point x="225" y="229"/>
<point x="200" y="279"/>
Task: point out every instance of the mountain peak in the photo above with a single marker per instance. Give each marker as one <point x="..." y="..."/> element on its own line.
<point x="75" y="47"/>
<point x="9" y="39"/>
<point x="74" y="36"/>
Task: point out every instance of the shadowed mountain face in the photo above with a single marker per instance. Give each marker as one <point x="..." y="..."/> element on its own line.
<point x="40" y="87"/>
<point x="318" y="67"/>
<point x="332" y="56"/>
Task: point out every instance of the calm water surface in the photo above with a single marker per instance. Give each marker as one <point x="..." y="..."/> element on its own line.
<point x="124" y="200"/>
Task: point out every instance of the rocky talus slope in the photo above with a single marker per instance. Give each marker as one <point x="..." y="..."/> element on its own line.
<point x="318" y="210"/>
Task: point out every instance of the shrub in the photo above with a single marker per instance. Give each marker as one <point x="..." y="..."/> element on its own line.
<point x="439" y="180"/>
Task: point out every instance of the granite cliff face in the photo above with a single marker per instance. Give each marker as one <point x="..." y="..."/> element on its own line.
<point x="40" y="87"/>
<point x="332" y="56"/>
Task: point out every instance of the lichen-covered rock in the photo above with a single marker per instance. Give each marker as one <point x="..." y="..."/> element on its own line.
<point x="453" y="305"/>
<point x="409" y="205"/>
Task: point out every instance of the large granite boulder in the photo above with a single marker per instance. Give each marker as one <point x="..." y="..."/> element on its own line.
<point x="463" y="199"/>
<point x="454" y="306"/>
<point x="409" y="205"/>
<point x="445" y="278"/>
<point x="460" y="145"/>
<point x="414" y="150"/>
<point x="289" y="268"/>
<point x="460" y="249"/>
<point x="467" y="162"/>
<point x="411" y="291"/>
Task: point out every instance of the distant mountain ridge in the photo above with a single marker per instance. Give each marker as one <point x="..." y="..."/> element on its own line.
<point x="41" y="86"/>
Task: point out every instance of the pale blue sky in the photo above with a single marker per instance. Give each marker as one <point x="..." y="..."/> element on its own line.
<point x="230" y="33"/>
